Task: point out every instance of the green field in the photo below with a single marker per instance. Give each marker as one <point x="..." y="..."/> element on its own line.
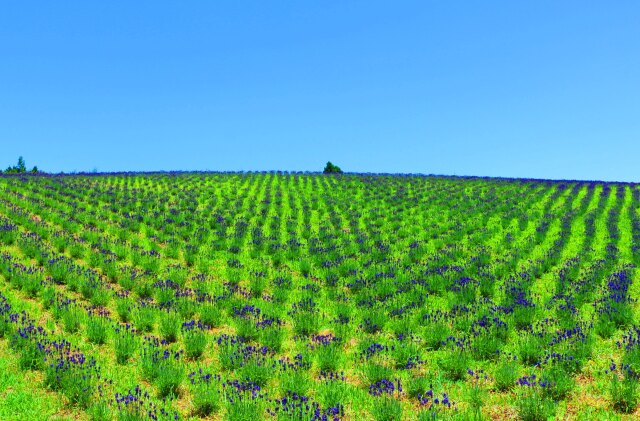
<point x="281" y="296"/>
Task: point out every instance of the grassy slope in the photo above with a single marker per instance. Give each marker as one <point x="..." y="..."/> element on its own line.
<point x="497" y="404"/>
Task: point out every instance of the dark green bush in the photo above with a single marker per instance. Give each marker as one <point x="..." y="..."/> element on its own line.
<point x="332" y="169"/>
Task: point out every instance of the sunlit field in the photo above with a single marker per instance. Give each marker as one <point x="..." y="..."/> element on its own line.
<point x="243" y="296"/>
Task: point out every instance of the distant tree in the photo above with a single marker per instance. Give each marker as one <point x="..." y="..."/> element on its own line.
<point x="20" y="168"/>
<point x="34" y="170"/>
<point x="332" y="169"/>
<point x="11" y="170"/>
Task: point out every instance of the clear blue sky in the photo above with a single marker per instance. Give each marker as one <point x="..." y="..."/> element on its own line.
<point x="545" y="89"/>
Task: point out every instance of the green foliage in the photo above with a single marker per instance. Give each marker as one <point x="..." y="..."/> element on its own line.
<point x="246" y="329"/>
<point x="532" y="405"/>
<point x="99" y="411"/>
<point x="72" y="320"/>
<point x="332" y="169"/>
<point x="125" y="345"/>
<point x="418" y="386"/>
<point x="206" y="396"/>
<point x="306" y="324"/>
<point x="476" y="397"/>
<point x="505" y="375"/>
<point x="329" y="357"/>
<point x="434" y="335"/>
<point x="372" y="373"/>
<point x="624" y="394"/>
<point x="170" y="376"/>
<point x="256" y="370"/>
<point x="20" y="168"/>
<point x="31" y="355"/>
<point x="5" y="326"/>
<point x="291" y="381"/>
<point x="123" y="308"/>
<point x="97" y="329"/>
<point x="386" y="409"/>
<point x="244" y="409"/>
<point x="529" y="349"/>
<point x="144" y="319"/>
<point x="454" y="364"/>
<point x="195" y="343"/>
<point x="169" y="326"/>
<point x="210" y="315"/>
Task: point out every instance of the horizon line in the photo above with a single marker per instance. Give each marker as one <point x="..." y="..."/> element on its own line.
<point x="300" y="172"/>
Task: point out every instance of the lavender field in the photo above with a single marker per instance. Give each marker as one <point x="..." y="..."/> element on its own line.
<point x="291" y="296"/>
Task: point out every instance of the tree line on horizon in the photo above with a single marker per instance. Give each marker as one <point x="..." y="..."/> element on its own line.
<point x="20" y="168"/>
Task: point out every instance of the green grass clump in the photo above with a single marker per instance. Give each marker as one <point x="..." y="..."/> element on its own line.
<point x="97" y="329"/>
<point x="125" y="344"/>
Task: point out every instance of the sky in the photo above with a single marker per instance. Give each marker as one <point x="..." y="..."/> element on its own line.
<point x="540" y="89"/>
